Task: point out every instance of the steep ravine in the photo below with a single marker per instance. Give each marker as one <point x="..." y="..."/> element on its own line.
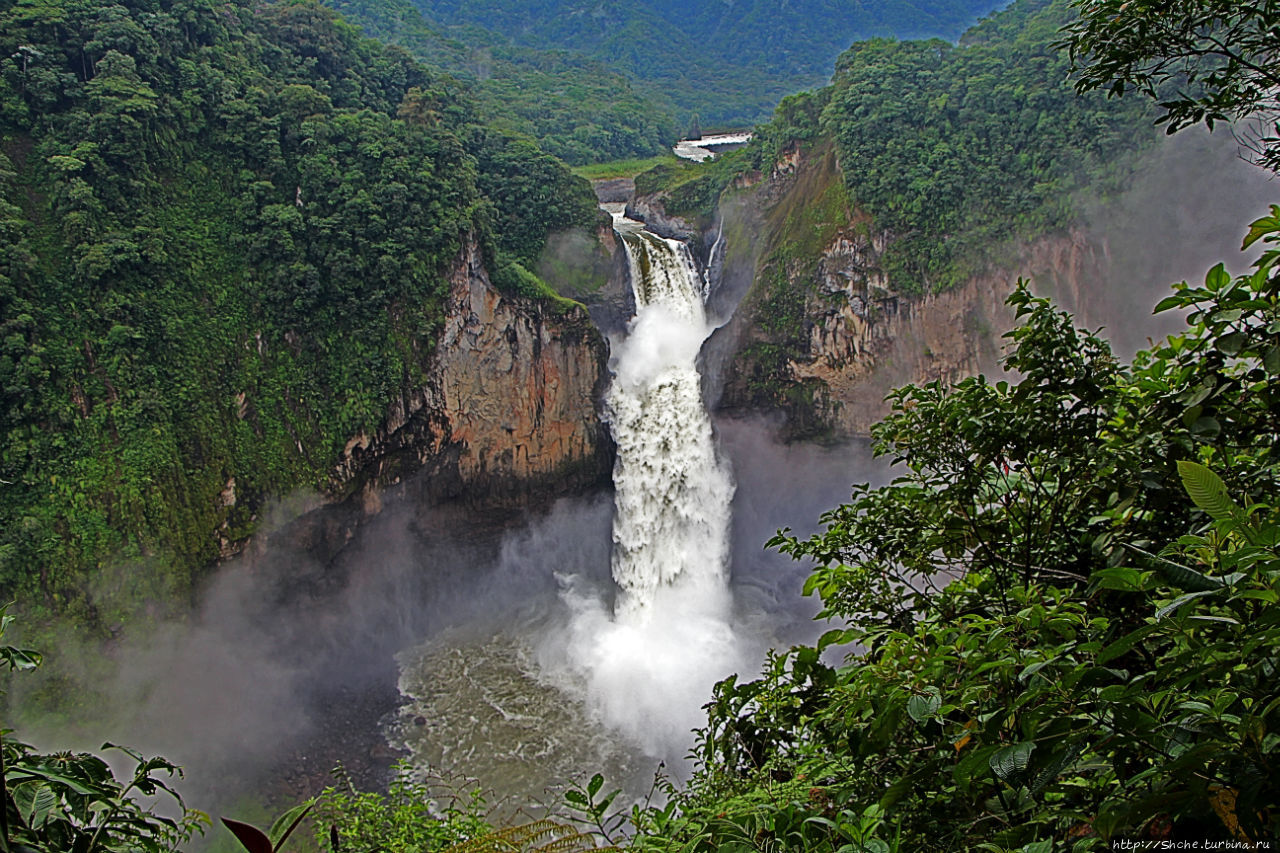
<point x="392" y="551"/>
<point x="864" y="341"/>
<point x="819" y="338"/>
<point x="509" y="415"/>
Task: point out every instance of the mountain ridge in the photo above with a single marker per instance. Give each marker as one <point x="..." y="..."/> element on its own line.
<point x="727" y="62"/>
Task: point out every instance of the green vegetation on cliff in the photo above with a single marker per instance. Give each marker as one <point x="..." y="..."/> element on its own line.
<point x="1064" y="613"/>
<point x="950" y="157"/>
<point x="958" y="150"/>
<point x="955" y="150"/>
<point x="227" y="231"/>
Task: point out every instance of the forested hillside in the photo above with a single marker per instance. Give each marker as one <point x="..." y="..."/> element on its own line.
<point x="226" y="232"/>
<point x="727" y="63"/>
<point x="922" y="167"/>
<point x="580" y="109"/>
<point x="953" y="150"/>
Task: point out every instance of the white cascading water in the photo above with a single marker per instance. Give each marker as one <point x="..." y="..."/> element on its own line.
<point x="641" y="657"/>
<point x="651" y="660"/>
<point x="672" y="493"/>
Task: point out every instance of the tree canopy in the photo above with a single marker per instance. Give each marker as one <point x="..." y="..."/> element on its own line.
<point x="730" y="63"/>
<point x="227" y="232"/>
<point x="1204" y="61"/>
<point x="579" y="109"/>
<point x="1060" y="624"/>
<point x="955" y="149"/>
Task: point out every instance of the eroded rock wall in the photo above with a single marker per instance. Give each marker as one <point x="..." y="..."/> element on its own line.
<point x="509" y="409"/>
<point x="820" y="337"/>
<point x="508" y="417"/>
<point x="520" y="391"/>
<point x="864" y="341"/>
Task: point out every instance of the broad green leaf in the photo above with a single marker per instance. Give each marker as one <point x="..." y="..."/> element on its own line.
<point x="837" y="637"/>
<point x="1217" y="278"/>
<point x="35" y="801"/>
<point x="819" y="820"/>
<point x="19" y="659"/>
<point x="896" y="791"/>
<point x="287" y="823"/>
<point x="1201" y="394"/>
<point x="1260" y="228"/>
<point x="1113" y="692"/>
<point x="1206" y="427"/>
<point x="16" y="774"/>
<point x="1232" y="344"/>
<point x="1124" y="644"/>
<point x="1032" y="668"/>
<point x="606" y="801"/>
<point x="972" y="766"/>
<point x="1056" y="765"/>
<point x="1271" y="360"/>
<point x="1120" y="578"/>
<point x="1223" y="620"/>
<point x="1179" y="575"/>
<point x="1186" y="578"/>
<point x="250" y="837"/>
<point x="1010" y="761"/>
<point x="923" y="707"/>
<point x="1181" y="600"/>
<point x="1206" y="489"/>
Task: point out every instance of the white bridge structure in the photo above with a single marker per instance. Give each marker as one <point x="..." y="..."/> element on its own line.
<point x="707" y="146"/>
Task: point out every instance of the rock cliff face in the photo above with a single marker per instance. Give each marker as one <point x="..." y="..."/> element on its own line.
<point x="520" y="389"/>
<point x="508" y="415"/>
<point x="650" y="211"/>
<point x="820" y="337"/>
<point x="509" y="409"/>
<point x="864" y="341"/>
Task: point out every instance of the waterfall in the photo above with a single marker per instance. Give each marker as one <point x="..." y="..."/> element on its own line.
<point x="648" y="663"/>
<point x="626" y="667"/>
<point x="672" y="493"/>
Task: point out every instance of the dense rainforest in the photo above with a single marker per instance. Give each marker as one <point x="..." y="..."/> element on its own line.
<point x="227" y="230"/>
<point x="609" y="81"/>
<point x="726" y="63"/>
<point x="580" y="109"/>
<point x="1057" y="629"/>
<point x="950" y="158"/>
<point x="955" y="150"/>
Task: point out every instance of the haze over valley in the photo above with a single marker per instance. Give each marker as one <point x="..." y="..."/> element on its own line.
<point x="397" y="431"/>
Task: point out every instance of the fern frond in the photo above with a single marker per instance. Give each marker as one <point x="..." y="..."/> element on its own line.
<point x="573" y="843"/>
<point x="541" y="830"/>
<point x="539" y="836"/>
